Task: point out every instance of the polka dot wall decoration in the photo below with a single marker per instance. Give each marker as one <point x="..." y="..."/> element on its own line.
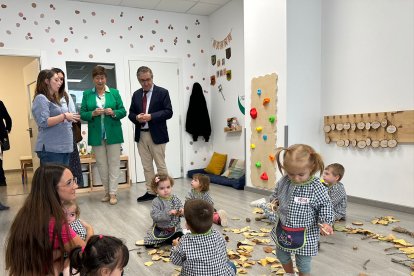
<point x="90" y="56"/>
<point x="42" y="15"/>
<point x="34" y="5"/>
<point x="131" y="45"/>
<point x="161" y="40"/>
<point x="52" y="7"/>
<point x="85" y="37"/>
<point x="77" y="12"/>
<point x="165" y="50"/>
<point x="108" y="50"/>
<point x="121" y="37"/>
<point x="197" y="22"/>
<point x="170" y="27"/>
<point x="175" y="40"/>
<point x="186" y="27"/>
<point x="191" y="142"/>
<point x="52" y="40"/>
<point x="153" y="32"/>
<point x="129" y="28"/>
<point x="36" y="23"/>
<point x="1" y="44"/>
<point x="84" y="20"/>
<point x="191" y="163"/>
<point x="122" y="14"/>
<point x="71" y="30"/>
<point x="188" y="41"/>
<point x="93" y="13"/>
<point x="204" y="159"/>
<point x="202" y="51"/>
<point x="57" y="22"/>
<point x="112" y="20"/>
<point x="77" y="51"/>
<point x="17" y="25"/>
<point x="198" y="36"/>
<point x="141" y="18"/>
<point x="156" y="21"/>
<point x="188" y="55"/>
<point x="60" y="53"/>
<point x="20" y="14"/>
<point x="65" y="39"/>
<point x="8" y="32"/>
<point x="152" y="47"/>
<point x="141" y="36"/>
<point x="3" y="6"/>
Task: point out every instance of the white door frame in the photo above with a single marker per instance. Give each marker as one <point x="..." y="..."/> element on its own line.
<point x="127" y="104"/>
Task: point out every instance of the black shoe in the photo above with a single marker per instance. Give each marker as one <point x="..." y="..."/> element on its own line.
<point x="146" y="197"/>
<point x="3" y="183"/>
<point x="2" y="207"/>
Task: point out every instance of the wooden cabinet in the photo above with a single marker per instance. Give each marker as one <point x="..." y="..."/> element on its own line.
<point x="91" y="179"/>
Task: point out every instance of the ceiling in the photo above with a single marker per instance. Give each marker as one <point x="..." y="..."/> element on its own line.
<point x="196" y="7"/>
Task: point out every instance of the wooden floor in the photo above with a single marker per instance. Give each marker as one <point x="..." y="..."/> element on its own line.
<point x="130" y="220"/>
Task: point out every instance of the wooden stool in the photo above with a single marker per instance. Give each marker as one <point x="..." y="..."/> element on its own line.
<point x="25" y="162"/>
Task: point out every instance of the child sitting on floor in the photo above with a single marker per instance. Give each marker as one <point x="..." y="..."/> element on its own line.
<point x="305" y="210"/>
<point x="203" y="252"/>
<point x="102" y="255"/>
<point x="199" y="190"/>
<point x="165" y="213"/>
<point x="82" y="228"/>
<point x="332" y="174"/>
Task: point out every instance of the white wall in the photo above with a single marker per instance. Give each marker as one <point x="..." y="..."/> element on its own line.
<point x="304" y="72"/>
<point x="265" y="53"/>
<point x="228" y="19"/>
<point x="368" y="66"/>
<point x="96" y="39"/>
<point x="14" y="95"/>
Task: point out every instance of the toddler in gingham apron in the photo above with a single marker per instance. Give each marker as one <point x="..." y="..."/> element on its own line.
<point x="305" y="209"/>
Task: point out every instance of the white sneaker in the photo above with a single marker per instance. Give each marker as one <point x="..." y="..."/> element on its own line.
<point x="223" y="218"/>
<point x="256" y="203"/>
<point x="289" y="274"/>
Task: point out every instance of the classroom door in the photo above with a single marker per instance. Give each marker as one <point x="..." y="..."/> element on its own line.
<point x="166" y="74"/>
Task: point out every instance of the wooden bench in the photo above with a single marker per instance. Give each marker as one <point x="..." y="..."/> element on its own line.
<point x="25" y="162"/>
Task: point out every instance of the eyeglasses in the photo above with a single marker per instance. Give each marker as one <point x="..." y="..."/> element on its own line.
<point x="71" y="182"/>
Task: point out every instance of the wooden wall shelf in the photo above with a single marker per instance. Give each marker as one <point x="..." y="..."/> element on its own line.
<point x="237" y="129"/>
<point x="88" y="165"/>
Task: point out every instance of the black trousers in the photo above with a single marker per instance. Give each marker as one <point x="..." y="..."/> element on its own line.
<point x="2" y="176"/>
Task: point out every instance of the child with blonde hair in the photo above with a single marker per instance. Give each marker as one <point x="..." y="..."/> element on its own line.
<point x="332" y="176"/>
<point x="200" y="185"/>
<point x="304" y="210"/>
<point x="166" y="213"/>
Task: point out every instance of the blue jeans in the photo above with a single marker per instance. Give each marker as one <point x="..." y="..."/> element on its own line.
<point x="303" y="263"/>
<point x="233" y="266"/>
<point x="53" y="157"/>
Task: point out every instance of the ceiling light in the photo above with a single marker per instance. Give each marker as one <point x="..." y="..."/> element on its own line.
<point x="74" y="80"/>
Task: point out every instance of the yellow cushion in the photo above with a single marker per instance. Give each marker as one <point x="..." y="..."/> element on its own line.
<point x="217" y="163"/>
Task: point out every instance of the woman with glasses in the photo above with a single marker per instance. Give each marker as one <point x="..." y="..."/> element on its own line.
<point x="40" y="235"/>
<point x="103" y="109"/>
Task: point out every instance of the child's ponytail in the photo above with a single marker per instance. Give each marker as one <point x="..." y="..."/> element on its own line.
<point x="277" y="155"/>
<point x="318" y="163"/>
<point x="75" y="258"/>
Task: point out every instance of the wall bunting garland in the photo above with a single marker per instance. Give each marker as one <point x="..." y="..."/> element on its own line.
<point x="223" y="43"/>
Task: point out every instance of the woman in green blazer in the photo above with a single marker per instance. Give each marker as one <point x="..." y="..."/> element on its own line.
<point x="103" y="109"/>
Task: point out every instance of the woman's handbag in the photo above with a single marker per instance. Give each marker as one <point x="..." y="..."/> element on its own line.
<point x="77" y="133"/>
<point x="5" y="144"/>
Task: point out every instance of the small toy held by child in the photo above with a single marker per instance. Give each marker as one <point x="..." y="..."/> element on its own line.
<point x="102" y="255"/>
<point x="203" y="252"/>
<point x="332" y="176"/>
<point x="166" y="212"/>
<point x="82" y="228"/>
<point x="200" y="186"/>
<point x="305" y="210"/>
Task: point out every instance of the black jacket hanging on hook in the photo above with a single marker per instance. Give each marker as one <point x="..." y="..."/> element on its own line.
<point x="198" y="120"/>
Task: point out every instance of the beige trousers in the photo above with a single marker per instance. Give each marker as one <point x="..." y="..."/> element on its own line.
<point x="149" y="153"/>
<point x="108" y="163"/>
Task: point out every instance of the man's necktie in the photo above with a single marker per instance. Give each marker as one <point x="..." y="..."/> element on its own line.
<point x="144" y="105"/>
<point x="144" y="102"/>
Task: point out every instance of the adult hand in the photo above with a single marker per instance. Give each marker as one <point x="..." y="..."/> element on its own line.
<point x="69" y="116"/>
<point x="146" y="117"/>
<point x="109" y="111"/>
<point x="139" y="118"/>
<point x="97" y="112"/>
<point x="76" y="117"/>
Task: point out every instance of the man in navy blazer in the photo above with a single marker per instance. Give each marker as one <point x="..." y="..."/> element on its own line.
<point x="5" y="128"/>
<point x="150" y="109"/>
